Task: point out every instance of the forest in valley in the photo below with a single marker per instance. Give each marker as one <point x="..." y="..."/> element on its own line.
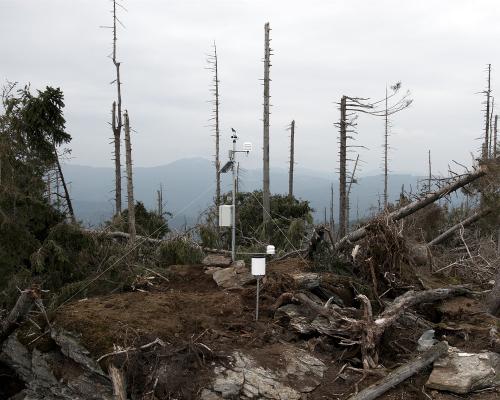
<point x="257" y="298"/>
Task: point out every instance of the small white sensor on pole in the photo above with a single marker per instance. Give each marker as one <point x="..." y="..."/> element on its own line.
<point x="225" y="215"/>
<point x="270" y="250"/>
<point x="258" y="270"/>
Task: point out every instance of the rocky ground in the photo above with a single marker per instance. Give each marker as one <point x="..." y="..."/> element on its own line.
<point x="189" y="332"/>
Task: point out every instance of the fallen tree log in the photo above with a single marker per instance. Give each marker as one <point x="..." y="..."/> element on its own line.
<point x="355" y="326"/>
<point x="126" y="236"/>
<point x="468" y="221"/>
<point x="402" y="373"/>
<point x="22" y="307"/>
<point x="414" y="206"/>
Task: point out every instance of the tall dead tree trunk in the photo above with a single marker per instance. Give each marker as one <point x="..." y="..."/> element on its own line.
<point x="331" y="209"/>
<point x="130" y="182"/>
<point x="159" y="199"/>
<point x="266" y="194"/>
<point x="429" y="177"/>
<point x="415" y="206"/>
<point x="214" y="67"/>
<point x="58" y="192"/>
<point x="292" y="154"/>
<point x="490" y="137"/>
<point x="386" y="149"/>
<point x="65" y="188"/>
<point x="116" y="123"/>
<point x="342" y="169"/>
<point x="487" y="116"/>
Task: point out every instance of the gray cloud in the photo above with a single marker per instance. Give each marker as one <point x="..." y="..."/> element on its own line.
<point x="323" y="49"/>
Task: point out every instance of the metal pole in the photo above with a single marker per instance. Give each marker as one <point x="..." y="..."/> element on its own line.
<point x="233" y="233"/>
<point x="257" y="305"/>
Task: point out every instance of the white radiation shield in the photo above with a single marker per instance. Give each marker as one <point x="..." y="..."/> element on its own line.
<point x="258" y="266"/>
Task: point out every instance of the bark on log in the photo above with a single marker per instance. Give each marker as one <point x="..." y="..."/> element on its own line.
<point x="306" y="280"/>
<point x="19" y="311"/>
<point x="118" y="381"/>
<point x="470" y="220"/>
<point x="414" y="206"/>
<point x="402" y="373"/>
<point x="410" y="299"/>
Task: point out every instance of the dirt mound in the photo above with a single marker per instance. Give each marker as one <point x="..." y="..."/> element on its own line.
<point x="202" y="325"/>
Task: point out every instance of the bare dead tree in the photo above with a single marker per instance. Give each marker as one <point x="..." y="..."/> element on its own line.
<point x="343" y="167"/>
<point x="490" y="136"/>
<point x="159" y="199"/>
<point x="67" y="197"/>
<point x="332" y="223"/>
<point x="292" y="151"/>
<point x="350" y="107"/>
<point x="399" y="105"/>
<point x="266" y="194"/>
<point x="130" y="182"/>
<point x="429" y="178"/>
<point x="116" y="115"/>
<point x="487" y="93"/>
<point x="213" y="65"/>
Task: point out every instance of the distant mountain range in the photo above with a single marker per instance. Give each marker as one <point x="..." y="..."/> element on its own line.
<point x="189" y="187"/>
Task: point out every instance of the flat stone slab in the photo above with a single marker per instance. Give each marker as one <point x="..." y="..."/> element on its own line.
<point x="233" y="277"/>
<point x="461" y="372"/>
<point x="216" y="260"/>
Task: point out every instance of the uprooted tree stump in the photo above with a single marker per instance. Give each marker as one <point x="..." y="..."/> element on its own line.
<point x="365" y="330"/>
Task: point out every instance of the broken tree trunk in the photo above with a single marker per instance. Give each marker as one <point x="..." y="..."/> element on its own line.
<point x="292" y="154"/>
<point x="130" y="182"/>
<point x="18" y="313"/>
<point x="342" y="168"/>
<point x="118" y="381"/>
<point x="402" y="373"/>
<point x="66" y="192"/>
<point x="265" y="187"/>
<point x="414" y="206"/>
<point x="470" y="220"/>
<point x="117" y="120"/>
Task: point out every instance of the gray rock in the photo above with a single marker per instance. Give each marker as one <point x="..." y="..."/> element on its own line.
<point x="16" y="356"/>
<point x="216" y="260"/>
<point x="71" y="347"/>
<point x="233" y="277"/>
<point x="461" y="373"/>
<point x="53" y="376"/>
<point x="299" y="374"/>
<point x="209" y="395"/>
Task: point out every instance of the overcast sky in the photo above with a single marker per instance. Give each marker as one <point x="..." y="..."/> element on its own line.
<point x="322" y="50"/>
